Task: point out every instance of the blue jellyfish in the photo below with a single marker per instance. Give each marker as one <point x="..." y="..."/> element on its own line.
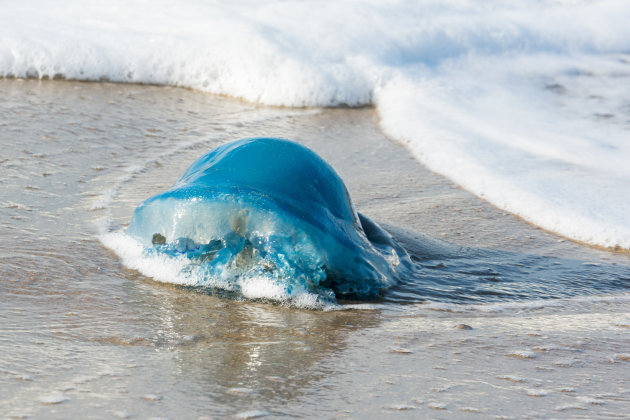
<point x="269" y="208"/>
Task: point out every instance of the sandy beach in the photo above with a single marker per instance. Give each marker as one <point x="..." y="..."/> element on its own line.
<point x="84" y="336"/>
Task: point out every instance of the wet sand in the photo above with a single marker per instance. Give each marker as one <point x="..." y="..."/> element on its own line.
<point x="83" y="336"/>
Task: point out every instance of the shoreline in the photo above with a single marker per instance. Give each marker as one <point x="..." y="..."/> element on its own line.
<point x="73" y="311"/>
<point x="438" y="188"/>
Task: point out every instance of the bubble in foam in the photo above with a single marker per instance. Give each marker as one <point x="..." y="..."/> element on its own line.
<point x="263" y="218"/>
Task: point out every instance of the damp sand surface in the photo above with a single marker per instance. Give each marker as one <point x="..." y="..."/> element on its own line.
<point x="82" y="336"/>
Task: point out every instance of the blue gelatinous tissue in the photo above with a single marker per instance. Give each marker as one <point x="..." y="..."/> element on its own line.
<point x="272" y="209"/>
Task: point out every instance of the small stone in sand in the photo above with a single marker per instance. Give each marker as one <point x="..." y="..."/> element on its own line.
<point x="253" y="414"/>
<point x="53" y="399"/>
<point x="400" y="407"/>
<point x="400" y="350"/>
<point x="240" y="391"/>
<point x="437" y="406"/>
<point x="522" y="354"/>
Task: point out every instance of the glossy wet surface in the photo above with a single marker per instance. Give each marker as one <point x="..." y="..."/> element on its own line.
<point x="83" y="336"/>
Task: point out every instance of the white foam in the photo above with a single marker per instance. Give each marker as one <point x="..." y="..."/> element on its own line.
<point x="169" y="269"/>
<point x="551" y="163"/>
<point x="158" y="266"/>
<point x="523" y="103"/>
<point x="265" y="288"/>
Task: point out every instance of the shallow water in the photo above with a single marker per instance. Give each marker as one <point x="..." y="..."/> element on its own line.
<point x="82" y="335"/>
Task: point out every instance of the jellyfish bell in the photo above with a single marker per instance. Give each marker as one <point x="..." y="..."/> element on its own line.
<point x="269" y="208"/>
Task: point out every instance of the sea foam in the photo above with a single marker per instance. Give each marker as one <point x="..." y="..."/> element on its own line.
<point x="522" y="103"/>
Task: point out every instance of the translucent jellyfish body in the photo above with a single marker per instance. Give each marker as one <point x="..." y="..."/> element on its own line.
<point x="270" y="211"/>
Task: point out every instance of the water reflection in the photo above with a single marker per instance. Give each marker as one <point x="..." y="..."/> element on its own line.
<point x="233" y="349"/>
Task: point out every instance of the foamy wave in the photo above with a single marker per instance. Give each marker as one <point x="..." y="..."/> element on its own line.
<point x="260" y="51"/>
<point x="519" y="102"/>
<point x="535" y="153"/>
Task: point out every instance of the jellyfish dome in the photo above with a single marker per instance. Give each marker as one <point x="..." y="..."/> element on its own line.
<point x="268" y="211"/>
